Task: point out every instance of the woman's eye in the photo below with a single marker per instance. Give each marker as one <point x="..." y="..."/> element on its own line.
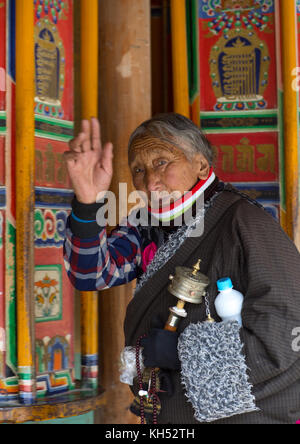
<point x="137" y="170"/>
<point x="161" y="162"/>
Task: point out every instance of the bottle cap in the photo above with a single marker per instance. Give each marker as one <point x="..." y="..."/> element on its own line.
<point x="224" y="284"/>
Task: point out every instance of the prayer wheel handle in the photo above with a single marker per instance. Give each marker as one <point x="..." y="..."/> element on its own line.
<point x="188" y="285"/>
<point x="174" y="318"/>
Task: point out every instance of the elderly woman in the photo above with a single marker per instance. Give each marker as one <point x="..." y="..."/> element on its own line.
<point x="169" y="154"/>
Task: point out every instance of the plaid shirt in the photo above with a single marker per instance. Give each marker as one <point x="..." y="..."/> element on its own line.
<point x="96" y="261"/>
<point x="103" y="261"/>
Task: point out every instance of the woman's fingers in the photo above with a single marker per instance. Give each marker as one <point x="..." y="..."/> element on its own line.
<point x="75" y="145"/>
<point x="86" y="130"/>
<point x="95" y="134"/>
<point x="107" y="158"/>
<point x="71" y="157"/>
<point x="89" y="139"/>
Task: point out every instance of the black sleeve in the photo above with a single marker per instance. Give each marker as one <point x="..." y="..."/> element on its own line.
<point x="271" y="310"/>
<point x="83" y="219"/>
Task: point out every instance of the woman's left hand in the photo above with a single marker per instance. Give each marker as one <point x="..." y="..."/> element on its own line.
<point x="160" y="349"/>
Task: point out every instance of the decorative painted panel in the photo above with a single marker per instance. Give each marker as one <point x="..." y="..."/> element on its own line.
<point x="238" y="51"/>
<point x="251" y="162"/>
<point x="2" y="56"/>
<point x="54" y="59"/>
<point x="50" y="167"/>
<point x="246" y="157"/>
<point x="49" y="226"/>
<point x="48" y="293"/>
<point x="2" y="88"/>
<point x="54" y="296"/>
<point x="233" y="76"/>
<point x="8" y="355"/>
<point x="2" y="164"/>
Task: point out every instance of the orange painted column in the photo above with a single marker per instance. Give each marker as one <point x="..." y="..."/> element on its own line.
<point x="289" y="30"/>
<point x="180" y="58"/>
<point x="89" y="58"/>
<point x="25" y="199"/>
<point x="89" y="108"/>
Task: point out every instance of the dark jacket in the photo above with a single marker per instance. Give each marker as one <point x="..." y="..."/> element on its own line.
<point x="245" y="243"/>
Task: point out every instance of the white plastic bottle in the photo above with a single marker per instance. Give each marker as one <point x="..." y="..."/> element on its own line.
<point x="229" y="302"/>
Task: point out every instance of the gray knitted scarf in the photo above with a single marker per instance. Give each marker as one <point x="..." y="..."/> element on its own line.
<point x="174" y="242"/>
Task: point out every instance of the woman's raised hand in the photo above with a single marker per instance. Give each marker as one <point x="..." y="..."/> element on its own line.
<point x="90" y="166"/>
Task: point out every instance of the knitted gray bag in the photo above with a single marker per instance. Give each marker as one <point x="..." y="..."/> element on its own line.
<point x="214" y="371"/>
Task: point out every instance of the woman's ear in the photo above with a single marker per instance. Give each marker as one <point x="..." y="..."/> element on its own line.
<point x="202" y="166"/>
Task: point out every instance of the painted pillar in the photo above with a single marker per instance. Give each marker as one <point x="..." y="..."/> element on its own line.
<point x="193" y="60"/>
<point x="25" y="198"/>
<point x="89" y="108"/>
<point x="125" y="102"/>
<point x="180" y="58"/>
<point x="89" y="58"/>
<point x="289" y="33"/>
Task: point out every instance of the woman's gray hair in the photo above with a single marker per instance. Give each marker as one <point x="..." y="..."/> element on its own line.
<point x="177" y="130"/>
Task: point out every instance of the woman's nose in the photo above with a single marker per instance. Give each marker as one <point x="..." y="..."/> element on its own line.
<point x="152" y="181"/>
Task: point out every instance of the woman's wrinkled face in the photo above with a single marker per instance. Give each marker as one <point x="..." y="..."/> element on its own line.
<point x="160" y="168"/>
